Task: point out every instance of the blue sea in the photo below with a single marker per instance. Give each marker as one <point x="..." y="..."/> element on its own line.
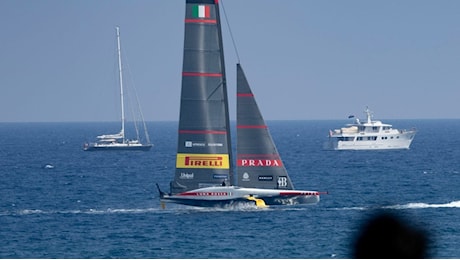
<point x="105" y="204"/>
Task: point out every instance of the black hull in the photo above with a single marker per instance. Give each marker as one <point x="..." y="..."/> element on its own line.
<point x="269" y="201"/>
<point x="225" y="196"/>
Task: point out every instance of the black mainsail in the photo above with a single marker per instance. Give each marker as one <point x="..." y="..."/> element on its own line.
<point x="258" y="162"/>
<point x="204" y="174"/>
<point x="204" y="148"/>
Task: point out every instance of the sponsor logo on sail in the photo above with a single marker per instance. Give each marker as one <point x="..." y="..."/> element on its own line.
<point x="194" y="144"/>
<point x="265" y="178"/>
<point x="246" y="176"/>
<point x="259" y="163"/>
<point x="186" y="175"/>
<point x="215" y="144"/>
<point x="282" y="181"/>
<point x="202" y="161"/>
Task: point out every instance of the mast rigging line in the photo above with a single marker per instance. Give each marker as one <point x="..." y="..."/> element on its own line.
<point x="230" y="31"/>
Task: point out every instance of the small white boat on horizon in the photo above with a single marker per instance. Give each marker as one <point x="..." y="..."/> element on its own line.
<point x="370" y="135"/>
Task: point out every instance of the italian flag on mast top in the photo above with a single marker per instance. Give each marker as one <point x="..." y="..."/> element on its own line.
<point x="201" y="11"/>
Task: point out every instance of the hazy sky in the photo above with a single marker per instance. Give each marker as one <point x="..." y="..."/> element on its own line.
<point x="304" y="59"/>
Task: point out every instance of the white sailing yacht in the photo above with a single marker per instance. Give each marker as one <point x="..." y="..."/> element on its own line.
<point x="119" y="141"/>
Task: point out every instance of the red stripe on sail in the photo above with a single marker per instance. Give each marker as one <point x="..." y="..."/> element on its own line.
<point x="201" y="74"/>
<point x="244" y="95"/>
<point x="198" y="132"/>
<point x="212" y="21"/>
<point x="251" y="126"/>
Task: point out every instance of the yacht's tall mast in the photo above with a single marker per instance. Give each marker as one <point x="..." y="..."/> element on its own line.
<point x="120" y="75"/>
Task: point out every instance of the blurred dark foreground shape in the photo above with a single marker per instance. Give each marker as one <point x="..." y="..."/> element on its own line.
<point x="386" y="236"/>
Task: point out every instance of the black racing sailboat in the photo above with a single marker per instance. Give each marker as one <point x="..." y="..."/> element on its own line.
<point x="204" y="174"/>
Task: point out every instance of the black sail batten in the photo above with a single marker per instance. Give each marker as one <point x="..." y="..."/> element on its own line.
<point x="258" y="163"/>
<point x="204" y="146"/>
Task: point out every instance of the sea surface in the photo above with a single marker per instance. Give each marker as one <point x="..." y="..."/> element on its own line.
<point x="58" y="201"/>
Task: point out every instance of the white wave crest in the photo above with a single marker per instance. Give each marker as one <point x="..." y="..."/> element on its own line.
<point x="421" y="205"/>
<point x="30" y="211"/>
<point x="240" y="206"/>
<point x="351" y="208"/>
<point x="411" y="205"/>
<point x="77" y="211"/>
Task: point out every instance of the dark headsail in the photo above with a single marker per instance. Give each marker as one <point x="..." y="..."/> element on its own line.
<point x="258" y="162"/>
<point x="204" y="147"/>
